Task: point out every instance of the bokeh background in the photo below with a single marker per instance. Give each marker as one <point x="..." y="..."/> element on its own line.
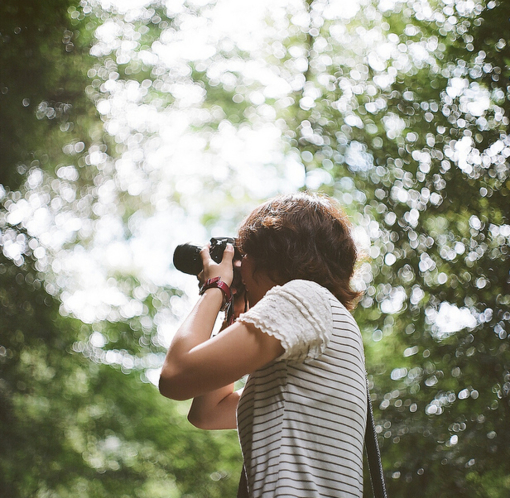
<point x="128" y="127"/>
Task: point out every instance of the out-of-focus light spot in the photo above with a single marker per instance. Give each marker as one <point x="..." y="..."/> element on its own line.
<point x="398" y="373"/>
<point x="97" y="339"/>
<point x="153" y="375"/>
<point x="338" y="9"/>
<point x="103" y="107"/>
<point x="357" y="158"/>
<point x="35" y="178"/>
<point x="353" y="120"/>
<point x="316" y="178"/>
<point x="433" y="408"/>
<point x="390" y="259"/>
<point x="394" y="125"/>
<point x="68" y="173"/>
<point x="442" y="278"/>
<point x="450" y="319"/>
<point x="395" y="302"/>
<point x="411" y="351"/>
<point x="377" y="336"/>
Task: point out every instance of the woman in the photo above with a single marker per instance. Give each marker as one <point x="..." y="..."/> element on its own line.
<point x="301" y="416"/>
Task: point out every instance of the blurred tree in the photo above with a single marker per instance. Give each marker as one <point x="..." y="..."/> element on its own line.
<point x="73" y="422"/>
<point x="72" y="426"/>
<point x="43" y="58"/>
<point x="414" y="125"/>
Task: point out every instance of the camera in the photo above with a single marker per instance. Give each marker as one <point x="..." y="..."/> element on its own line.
<point x="187" y="257"/>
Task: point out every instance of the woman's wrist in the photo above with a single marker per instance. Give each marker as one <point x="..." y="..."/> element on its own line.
<point x="219" y="284"/>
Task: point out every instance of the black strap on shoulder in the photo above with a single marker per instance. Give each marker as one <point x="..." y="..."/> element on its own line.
<point x="373" y="454"/>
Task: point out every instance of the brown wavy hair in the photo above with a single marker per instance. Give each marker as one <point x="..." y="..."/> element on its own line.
<point x="303" y="236"/>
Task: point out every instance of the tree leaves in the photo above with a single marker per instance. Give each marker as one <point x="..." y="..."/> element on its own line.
<point x="398" y="109"/>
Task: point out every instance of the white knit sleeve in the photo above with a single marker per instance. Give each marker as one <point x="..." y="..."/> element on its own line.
<point x="299" y="315"/>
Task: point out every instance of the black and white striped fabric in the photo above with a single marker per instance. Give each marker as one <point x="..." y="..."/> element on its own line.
<point x="301" y="418"/>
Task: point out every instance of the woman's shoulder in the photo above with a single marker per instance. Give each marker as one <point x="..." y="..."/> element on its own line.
<point x="297" y="313"/>
<point x="303" y="289"/>
<point x="310" y="296"/>
<point x="299" y="284"/>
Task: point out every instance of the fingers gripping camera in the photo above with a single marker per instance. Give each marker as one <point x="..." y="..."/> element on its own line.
<point x="187" y="259"/>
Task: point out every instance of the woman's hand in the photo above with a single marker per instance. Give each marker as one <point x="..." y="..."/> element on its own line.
<point x="197" y="363"/>
<point x="224" y="270"/>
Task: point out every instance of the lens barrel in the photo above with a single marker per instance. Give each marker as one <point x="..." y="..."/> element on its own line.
<point x="187" y="259"/>
<point x="187" y="256"/>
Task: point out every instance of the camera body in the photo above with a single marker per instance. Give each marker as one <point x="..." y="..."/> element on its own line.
<point x="187" y="256"/>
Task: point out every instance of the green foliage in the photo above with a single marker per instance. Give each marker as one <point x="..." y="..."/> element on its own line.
<point x="72" y="423"/>
<point x="398" y="109"/>
<point x="41" y="99"/>
<point x="71" y="426"/>
<point x="441" y="236"/>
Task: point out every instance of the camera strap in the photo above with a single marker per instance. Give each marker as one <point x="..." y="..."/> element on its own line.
<point x="373" y="454"/>
<point x="229" y="312"/>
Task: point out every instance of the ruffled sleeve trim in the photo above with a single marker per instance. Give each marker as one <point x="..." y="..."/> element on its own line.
<point x="299" y="315"/>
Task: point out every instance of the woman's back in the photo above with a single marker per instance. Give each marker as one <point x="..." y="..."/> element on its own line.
<point x="301" y="419"/>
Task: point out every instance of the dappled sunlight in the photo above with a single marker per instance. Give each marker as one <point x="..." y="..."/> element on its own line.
<point x="199" y="110"/>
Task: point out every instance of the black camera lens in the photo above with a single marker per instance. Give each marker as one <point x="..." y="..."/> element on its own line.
<point x="187" y="257"/>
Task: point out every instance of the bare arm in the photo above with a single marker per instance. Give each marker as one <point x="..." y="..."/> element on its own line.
<point x="193" y="370"/>
<point x="215" y="409"/>
<point x="197" y="364"/>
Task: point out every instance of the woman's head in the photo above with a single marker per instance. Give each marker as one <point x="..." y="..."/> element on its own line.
<point x="302" y="236"/>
